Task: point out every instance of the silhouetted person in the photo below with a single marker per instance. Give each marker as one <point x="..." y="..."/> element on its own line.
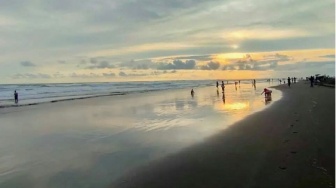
<point x="217" y="84"/>
<point x="239" y="82"/>
<point x="192" y="92"/>
<point x="280" y="81"/>
<point x="311" y="81"/>
<point x="16" y="97"/>
<point x="289" y="81"/>
<point x="223" y="86"/>
<point x="294" y="79"/>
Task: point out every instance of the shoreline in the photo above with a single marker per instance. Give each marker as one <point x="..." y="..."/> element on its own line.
<point x="94" y="141"/>
<point x="290" y="144"/>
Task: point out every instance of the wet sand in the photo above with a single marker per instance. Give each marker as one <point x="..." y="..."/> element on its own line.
<point x="93" y="142"/>
<point x="291" y="144"/>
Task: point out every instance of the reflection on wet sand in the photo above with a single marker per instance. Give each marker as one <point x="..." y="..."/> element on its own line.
<point x="89" y="143"/>
<point x="268" y="100"/>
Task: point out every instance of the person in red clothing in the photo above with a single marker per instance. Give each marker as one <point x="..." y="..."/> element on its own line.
<point x="268" y="92"/>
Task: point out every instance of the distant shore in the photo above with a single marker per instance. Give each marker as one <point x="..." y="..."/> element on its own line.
<point x="290" y="144"/>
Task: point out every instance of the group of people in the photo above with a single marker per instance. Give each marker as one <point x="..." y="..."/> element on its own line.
<point x="222" y="85"/>
<point x="289" y="81"/>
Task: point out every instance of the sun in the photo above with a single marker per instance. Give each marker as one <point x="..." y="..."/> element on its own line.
<point x="234" y="46"/>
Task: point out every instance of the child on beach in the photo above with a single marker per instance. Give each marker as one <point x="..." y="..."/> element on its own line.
<point x="268" y="92"/>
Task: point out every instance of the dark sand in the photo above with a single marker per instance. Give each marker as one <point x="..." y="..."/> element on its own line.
<point x="290" y="144"/>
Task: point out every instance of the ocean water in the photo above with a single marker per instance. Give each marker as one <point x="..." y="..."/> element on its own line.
<point x="41" y="93"/>
<point x="93" y="142"/>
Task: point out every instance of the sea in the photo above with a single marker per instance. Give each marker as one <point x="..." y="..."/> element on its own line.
<point x="32" y="94"/>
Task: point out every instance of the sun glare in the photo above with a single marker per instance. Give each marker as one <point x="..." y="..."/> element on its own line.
<point x="235" y="46"/>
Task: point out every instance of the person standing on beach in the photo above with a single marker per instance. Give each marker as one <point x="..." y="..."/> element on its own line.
<point x="16" y="97"/>
<point x="223" y="86"/>
<point x="192" y="92"/>
<point x="289" y="81"/>
<point x="311" y="81"/>
<point x="217" y="85"/>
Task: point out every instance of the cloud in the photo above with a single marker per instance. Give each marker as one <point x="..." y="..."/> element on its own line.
<point x="77" y="75"/>
<point x="31" y="76"/>
<point x="62" y="62"/>
<point x="137" y="74"/>
<point x="109" y="74"/>
<point x="151" y="29"/>
<point x="139" y="64"/>
<point x="331" y="56"/>
<point x="27" y="64"/>
<point x="194" y="57"/>
<point x="177" y="64"/>
<point x="267" y="62"/>
<point x="95" y="64"/>
<point x="58" y="75"/>
<point x="229" y="67"/>
<point x="210" y="66"/>
<point x="122" y="74"/>
<point x="306" y="65"/>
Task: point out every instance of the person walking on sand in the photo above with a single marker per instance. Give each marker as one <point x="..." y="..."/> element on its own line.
<point x="289" y="81"/>
<point x="223" y="86"/>
<point x="16" y="97"/>
<point x="217" y="85"/>
<point x="192" y="92"/>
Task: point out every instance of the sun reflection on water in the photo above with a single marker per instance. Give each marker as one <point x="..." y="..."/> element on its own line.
<point x="236" y="106"/>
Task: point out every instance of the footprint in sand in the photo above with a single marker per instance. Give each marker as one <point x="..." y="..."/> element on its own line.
<point x="295" y="132"/>
<point x="282" y="167"/>
<point x="291" y="125"/>
<point x="293" y="152"/>
<point x="285" y="141"/>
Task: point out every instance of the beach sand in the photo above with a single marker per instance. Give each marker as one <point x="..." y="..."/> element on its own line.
<point x="157" y="139"/>
<point x="93" y="142"/>
<point x="290" y="144"/>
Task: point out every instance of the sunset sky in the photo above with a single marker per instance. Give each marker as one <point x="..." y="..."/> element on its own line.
<point x="126" y="40"/>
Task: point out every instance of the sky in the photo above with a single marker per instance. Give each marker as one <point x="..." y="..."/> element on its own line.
<point x="130" y="40"/>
